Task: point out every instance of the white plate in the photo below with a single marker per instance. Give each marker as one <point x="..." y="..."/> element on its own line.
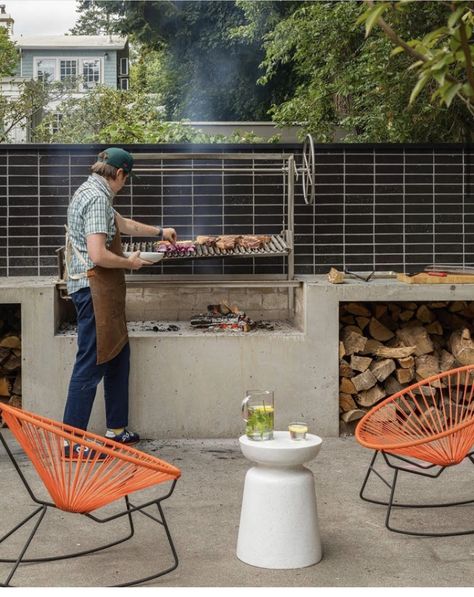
<point x="148" y="256"/>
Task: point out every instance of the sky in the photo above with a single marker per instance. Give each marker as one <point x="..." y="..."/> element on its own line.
<point x="41" y="17"/>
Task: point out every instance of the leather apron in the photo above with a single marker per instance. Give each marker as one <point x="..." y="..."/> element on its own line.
<point x="108" y="298"/>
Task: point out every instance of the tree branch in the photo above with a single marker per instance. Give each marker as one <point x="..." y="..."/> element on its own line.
<point x="467" y="54"/>
<point x="398" y="41"/>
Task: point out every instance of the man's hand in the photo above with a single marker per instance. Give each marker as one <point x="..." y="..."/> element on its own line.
<point x="170" y="235"/>
<point x="136" y="262"/>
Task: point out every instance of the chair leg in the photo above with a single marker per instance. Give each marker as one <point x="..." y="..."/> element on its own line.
<point x="19" y="560"/>
<point x="161" y="521"/>
<point x="392" y="504"/>
<point x="69" y="555"/>
<point x="371" y="470"/>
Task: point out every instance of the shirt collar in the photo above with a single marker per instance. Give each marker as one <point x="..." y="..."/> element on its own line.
<point x="102" y="183"/>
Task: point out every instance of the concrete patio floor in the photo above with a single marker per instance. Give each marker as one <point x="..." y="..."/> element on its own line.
<point x="203" y="515"/>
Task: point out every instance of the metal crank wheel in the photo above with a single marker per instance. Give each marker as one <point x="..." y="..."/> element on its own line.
<point x="308" y="170"/>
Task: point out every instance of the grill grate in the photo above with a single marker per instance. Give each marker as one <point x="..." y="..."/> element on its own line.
<point x="277" y="246"/>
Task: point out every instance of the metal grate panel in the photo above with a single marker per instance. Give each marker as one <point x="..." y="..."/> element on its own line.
<point x="277" y="246"/>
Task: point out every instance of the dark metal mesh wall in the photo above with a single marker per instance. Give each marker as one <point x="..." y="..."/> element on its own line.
<point x="377" y="206"/>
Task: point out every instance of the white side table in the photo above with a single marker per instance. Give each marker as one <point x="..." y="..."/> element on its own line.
<point x="279" y="521"/>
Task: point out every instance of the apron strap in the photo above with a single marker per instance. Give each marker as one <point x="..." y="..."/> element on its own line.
<point x="68" y="258"/>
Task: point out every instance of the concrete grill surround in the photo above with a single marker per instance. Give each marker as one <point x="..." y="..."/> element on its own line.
<point x="378" y="207"/>
<point x="190" y="385"/>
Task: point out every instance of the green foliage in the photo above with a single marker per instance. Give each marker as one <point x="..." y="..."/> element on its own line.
<point x="443" y="56"/>
<point x="193" y="58"/>
<point x="8" y="53"/>
<point x="351" y="88"/>
<point x="27" y="106"/>
<point x="106" y="115"/>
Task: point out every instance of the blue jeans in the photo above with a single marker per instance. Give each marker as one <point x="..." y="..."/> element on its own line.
<point x="87" y="375"/>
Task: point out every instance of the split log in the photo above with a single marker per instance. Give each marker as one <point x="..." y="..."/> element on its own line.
<point x="347" y="387"/>
<point x="15" y="401"/>
<point x="416" y="336"/>
<point x="360" y="363"/>
<point x="398" y="352"/>
<point x="357" y="309"/>
<point x="379" y="331"/>
<point x="4" y="354"/>
<point x="395" y="310"/>
<point x="435" y="328"/>
<point x="352" y="415"/>
<point x="342" y="350"/>
<point x="349" y="319"/>
<point x="16" y="389"/>
<point x="353" y="342"/>
<point x="346" y="402"/>
<point x="426" y="365"/>
<point x="405" y="375"/>
<point x="392" y="385"/>
<point x="4" y="386"/>
<point x="456" y="306"/>
<point x="462" y="346"/>
<point x="345" y="370"/>
<point x="382" y="369"/>
<point x="424" y="314"/>
<point x="406" y="315"/>
<point x="10" y="342"/>
<point x="371" y="347"/>
<point x="335" y="276"/>
<point x="12" y="364"/>
<point x="380" y="309"/>
<point x="362" y="322"/>
<point x="406" y="362"/>
<point x="364" y="381"/>
<point x="370" y="397"/>
<point x="446" y="361"/>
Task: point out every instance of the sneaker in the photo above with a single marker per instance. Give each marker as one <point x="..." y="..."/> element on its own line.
<point x="88" y="455"/>
<point x="126" y="437"/>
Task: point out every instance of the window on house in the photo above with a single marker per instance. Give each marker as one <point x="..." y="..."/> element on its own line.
<point x="56" y="122"/>
<point x="90" y="73"/>
<point x="123" y="84"/>
<point x="124" y="66"/>
<point x="67" y="69"/>
<point x="46" y="69"/>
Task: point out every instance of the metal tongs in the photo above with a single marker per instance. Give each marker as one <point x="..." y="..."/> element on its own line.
<point x="366" y="277"/>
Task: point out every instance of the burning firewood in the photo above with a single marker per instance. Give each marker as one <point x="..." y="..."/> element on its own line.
<point x="223" y="317"/>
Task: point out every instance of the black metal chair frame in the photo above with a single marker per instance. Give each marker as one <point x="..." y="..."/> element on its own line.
<point x="41" y="512"/>
<point x="391" y="503"/>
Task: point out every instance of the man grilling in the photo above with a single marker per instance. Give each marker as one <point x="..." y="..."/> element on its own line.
<point x="96" y="268"/>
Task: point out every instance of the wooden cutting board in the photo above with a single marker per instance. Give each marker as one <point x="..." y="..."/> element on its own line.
<point x="425" y="278"/>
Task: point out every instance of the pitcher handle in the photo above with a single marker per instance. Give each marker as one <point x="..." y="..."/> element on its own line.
<point x="244" y="407"/>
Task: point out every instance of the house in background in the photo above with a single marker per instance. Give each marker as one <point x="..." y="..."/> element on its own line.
<point x="93" y="59"/>
<point x="90" y="60"/>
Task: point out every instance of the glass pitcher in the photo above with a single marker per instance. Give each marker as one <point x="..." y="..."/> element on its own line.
<point x="258" y="414"/>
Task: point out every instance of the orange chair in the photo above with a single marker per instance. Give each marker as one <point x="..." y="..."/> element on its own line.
<point x="106" y="472"/>
<point x="431" y="421"/>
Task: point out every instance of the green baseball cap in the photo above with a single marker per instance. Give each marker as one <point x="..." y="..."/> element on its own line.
<point x="119" y="158"/>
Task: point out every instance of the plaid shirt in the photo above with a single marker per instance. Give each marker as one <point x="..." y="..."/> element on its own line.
<point x="90" y="212"/>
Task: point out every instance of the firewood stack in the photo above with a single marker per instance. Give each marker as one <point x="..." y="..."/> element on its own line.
<point x="384" y="347"/>
<point x="10" y="356"/>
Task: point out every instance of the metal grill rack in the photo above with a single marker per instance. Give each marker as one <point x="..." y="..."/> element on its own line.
<point x="236" y="164"/>
<point x="276" y="247"/>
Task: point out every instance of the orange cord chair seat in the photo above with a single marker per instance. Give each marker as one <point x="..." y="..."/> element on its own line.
<point x="431" y="421"/>
<point x="103" y="472"/>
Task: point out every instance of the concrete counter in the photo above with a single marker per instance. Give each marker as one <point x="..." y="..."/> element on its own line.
<point x="190" y="385"/>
